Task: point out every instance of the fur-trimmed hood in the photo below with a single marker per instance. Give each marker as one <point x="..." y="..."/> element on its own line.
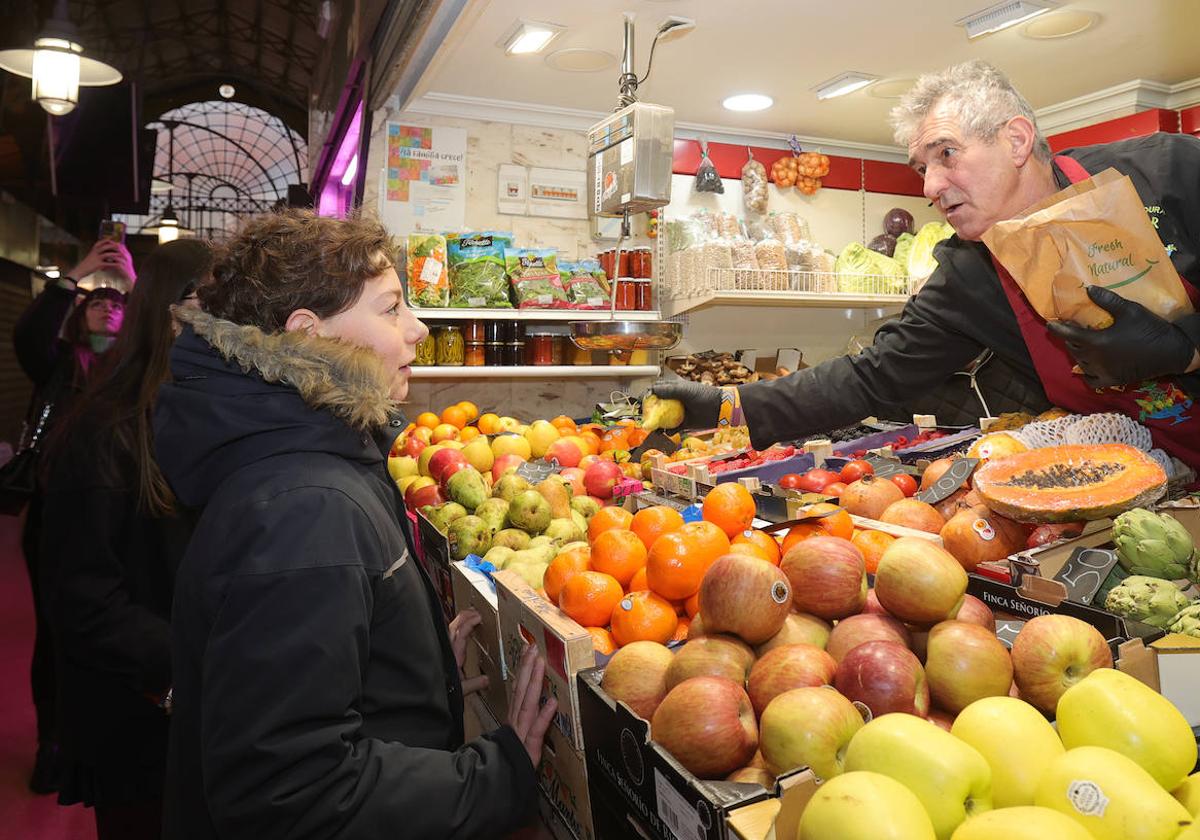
<point x="238" y="395"/>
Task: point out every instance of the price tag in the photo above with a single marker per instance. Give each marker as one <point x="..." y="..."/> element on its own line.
<point x="627" y="487"/>
<point x="1085" y="572"/>
<point x="952" y="479"/>
<point x="885" y="467"/>
<point x="536" y="471"/>
<point x="1006" y="631"/>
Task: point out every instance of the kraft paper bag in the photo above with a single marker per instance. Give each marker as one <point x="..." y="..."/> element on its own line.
<point x="1093" y="232"/>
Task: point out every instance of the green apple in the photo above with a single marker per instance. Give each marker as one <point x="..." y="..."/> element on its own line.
<point x="810" y="727"/>
<point x="952" y="780"/>
<point x="1015" y="740"/>
<point x="864" y="806"/>
<point x="1024" y="823"/>
<point x="402" y="466"/>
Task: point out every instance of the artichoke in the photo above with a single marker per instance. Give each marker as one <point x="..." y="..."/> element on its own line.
<point x="1153" y="544"/>
<point x="1149" y="600"/>
<point x="1187" y="621"/>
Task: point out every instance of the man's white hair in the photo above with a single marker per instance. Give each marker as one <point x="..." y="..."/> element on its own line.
<point x="977" y="94"/>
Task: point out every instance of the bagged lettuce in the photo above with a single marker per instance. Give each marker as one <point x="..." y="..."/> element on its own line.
<point x="533" y="273"/>
<point x="428" y="280"/>
<point x="863" y="271"/>
<point x="478" y="277"/>
<point x="920" y="255"/>
<point x="582" y="288"/>
<point x="903" y="245"/>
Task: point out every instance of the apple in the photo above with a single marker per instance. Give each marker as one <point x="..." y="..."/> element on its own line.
<point x="429" y="494"/>
<point x="424" y="433"/>
<point x="417" y="483"/>
<point x="479" y="454"/>
<point x="745" y="596"/>
<point x="964" y="663"/>
<point x="859" y="629"/>
<point x="574" y="478"/>
<point x="444" y="463"/>
<point x="864" y="806"/>
<point x="505" y="463"/>
<point x="787" y="667"/>
<point x="798" y="629"/>
<point x="1016" y="741"/>
<point x="942" y="718"/>
<point x="1052" y="653"/>
<point x="565" y="451"/>
<point x="404" y="483"/>
<point x="401" y="466"/>
<point x="511" y="444"/>
<point x="414" y="446"/>
<point x="601" y="477"/>
<point x="426" y="454"/>
<point x="952" y="780"/>
<point x="873" y="606"/>
<point x="541" y="434"/>
<point x="1025" y="822"/>
<point x="445" y="431"/>
<point x="707" y="724"/>
<point x="885" y="677"/>
<point x="637" y="676"/>
<point x="508" y="424"/>
<point x="828" y="577"/>
<point x="714" y="656"/>
<point x="919" y="582"/>
<point x="975" y="611"/>
<point x="808" y="727"/>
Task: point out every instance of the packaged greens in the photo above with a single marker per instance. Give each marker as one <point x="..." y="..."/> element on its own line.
<point x="477" y="272"/>
<point x="583" y="290"/>
<point x="533" y="273"/>
<point x="428" y="282"/>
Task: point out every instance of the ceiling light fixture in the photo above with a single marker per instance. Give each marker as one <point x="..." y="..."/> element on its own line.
<point x="527" y="37"/>
<point x="845" y="83"/>
<point x="227" y="91"/>
<point x="168" y="226"/>
<point x="1003" y="15"/>
<point x="57" y="66"/>
<point x="748" y="102"/>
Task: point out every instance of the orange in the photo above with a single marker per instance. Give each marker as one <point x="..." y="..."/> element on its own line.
<point x="638" y="582"/>
<point x="606" y="518"/>
<point x="637" y="437"/>
<point x="677" y="561"/>
<point x="564" y="424"/>
<point x="615" y="439"/>
<point x="681" y="630"/>
<point x="872" y="544"/>
<point x="752" y="550"/>
<point x="692" y="605"/>
<point x="652" y="522"/>
<point x="602" y="640"/>
<point x="619" y="553"/>
<point x="592" y="440"/>
<point x="468" y="433"/>
<point x="568" y="563"/>
<point x="730" y="507"/>
<point x="837" y="524"/>
<point x="590" y="597"/>
<point x="489" y="423"/>
<point x="455" y="416"/>
<point x="643" y="617"/>
<point x="763" y="540"/>
<point x="472" y="410"/>
<point x="428" y="419"/>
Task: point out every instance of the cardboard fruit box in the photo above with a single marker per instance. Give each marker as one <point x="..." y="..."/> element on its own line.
<point x="485" y="650"/>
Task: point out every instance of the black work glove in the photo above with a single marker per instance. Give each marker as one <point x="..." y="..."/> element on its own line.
<point x="701" y="403"/>
<point x="1138" y="346"/>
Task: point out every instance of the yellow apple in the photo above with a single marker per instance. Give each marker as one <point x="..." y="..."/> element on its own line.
<point x="509" y="424"/>
<point x="479" y="454"/>
<point x="406" y="482"/>
<point x="510" y="444"/>
<point x="1015" y="740"/>
<point x="1108" y="708"/>
<point x="1024" y="823"/>
<point x="1188" y="793"/>
<point x="950" y="778"/>
<point x="427" y="453"/>
<point x="1110" y="796"/>
<point x="864" y="806"/>
<point x="401" y="466"/>
<point x="452" y="443"/>
<point x="1192" y="832"/>
<point x="540" y="435"/>
<point x="445" y="432"/>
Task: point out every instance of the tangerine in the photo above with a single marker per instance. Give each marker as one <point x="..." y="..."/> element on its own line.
<point x="766" y="542"/>
<point x="730" y="507"/>
<point x="602" y="641"/>
<point x="564" y="424"/>
<point x="590" y="597"/>
<point x="872" y="544"/>
<point x="643" y="617"/>
<point x="692" y="605"/>
<point x="681" y="630"/>
<point x="489" y="423"/>
<point x="638" y="582"/>
<point x="455" y="416"/>
<point x="568" y="563"/>
<point x="468" y="433"/>
<point x="471" y="410"/>
<point x="428" y="419"/>
<point x="606" y="518"/>
<point x="592" y="440"/>
<point x="837" y="524"/>
<point x="751" y="550"/>
<point x="619" y="553"/>
<point x="652" y="522"/>
<point x="677" y="561"/>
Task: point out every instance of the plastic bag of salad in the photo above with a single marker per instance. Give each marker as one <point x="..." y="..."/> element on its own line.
<point x="583" y="290"/>
<point x="533" y="273"/>
<point x="428" y="280"/>
<point x="478" y="278"/>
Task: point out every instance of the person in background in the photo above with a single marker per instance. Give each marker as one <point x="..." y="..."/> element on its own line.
<point x="57" y="343"/>
<point x="317" y="692"/>
<point x="110" y="545"/>
<point x="974" y="141"/>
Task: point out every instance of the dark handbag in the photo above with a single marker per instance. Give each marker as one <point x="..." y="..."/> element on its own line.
<point x="18" y="478"/>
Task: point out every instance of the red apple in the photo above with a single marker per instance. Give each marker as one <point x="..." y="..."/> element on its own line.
<point x="442" y="461"/>
<point x="430" y="494"/>
<point x="600" y="478"/>
<point x="637" y="676"/>
<point x="859" y="629"/>
<point x="565" y="452"/>
<point x="798" y="629"/>
<point x="828" y="577"/>
<point x="873" y="606"/>
<point x="711" y="656"/>
<point x="1052" y="653"/>
<point x="707" y="724"/>
<point x="503" y="464"/>
<point x="574" y="478"/>
<point x="745" y="596"/>
<point x="808" y="727"/>
<point x="943" y="719"/>
<point x="885" y="677"/>
<point x="787" y="667"/>
<point x="414" y="445"/>
<point x="975" y="611"/>
<point x="919" y="582"/>
<point x="964" y="663"/>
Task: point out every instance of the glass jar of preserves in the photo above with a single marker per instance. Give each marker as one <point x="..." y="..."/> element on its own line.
<point x="426" y="350"/>
<point x="493" y="332"/>
<point x="626" y="294"/>
<point x="474" y="355"/>
<point x="644" y="295"/>
<point x="493" y="354"/>
<point x="473" y="332"/>
<point x="513" y="353"/>
<point x="579" y="356"/>
<point x="450" y="346"/>
<point x="539" y="347"/>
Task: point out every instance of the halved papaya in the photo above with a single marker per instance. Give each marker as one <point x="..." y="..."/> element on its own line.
<point x="1069" y="483"/>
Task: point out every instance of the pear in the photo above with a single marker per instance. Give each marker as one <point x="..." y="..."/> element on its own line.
<point x="510" y="486"/>
<point x="468" y="535"/>
<point x="494" y="512"/>
<point x="530" y="512"/>
<point x="513" y="538"/>
<point x="557" y="495"/>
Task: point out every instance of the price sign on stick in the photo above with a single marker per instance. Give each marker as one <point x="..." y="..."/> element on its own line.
<point x="953" y="478"/>
<point x="1085" y="572"/>
<point x="536" y="471"/>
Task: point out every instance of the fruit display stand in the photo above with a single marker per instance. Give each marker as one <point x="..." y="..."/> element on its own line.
<point x="485" y="650"/>
<point x="435" y="551"/>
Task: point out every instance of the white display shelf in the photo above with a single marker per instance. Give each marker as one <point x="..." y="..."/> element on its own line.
<point x="533" y="315"/>
<point x="813" y="300"/>
<point x="536" y="372"/>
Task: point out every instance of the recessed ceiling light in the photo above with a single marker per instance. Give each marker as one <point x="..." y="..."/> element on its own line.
<point x="227" y="91"/>
<point x="1003" y="15"/>
<point x="1061" y="24"/>
<point x="580" y="60"/>
<point x="527" y="36"/>
<point x="891" y="88"/>
<point x="748" y="102"/>
<point x="843" y="84"/>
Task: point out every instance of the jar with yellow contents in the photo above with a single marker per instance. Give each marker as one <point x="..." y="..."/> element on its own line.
<point x="451" y="348"/>
<point x="426" y="350"/>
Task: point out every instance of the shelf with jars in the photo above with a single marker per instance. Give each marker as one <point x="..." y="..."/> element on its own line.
<point x="538" y="372"/>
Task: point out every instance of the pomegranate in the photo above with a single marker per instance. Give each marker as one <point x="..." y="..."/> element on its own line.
<point x="911" y="513"/>
<point x="870" y="496"/>
<point x="976" y="535"/>
<point x="934" y="471"/>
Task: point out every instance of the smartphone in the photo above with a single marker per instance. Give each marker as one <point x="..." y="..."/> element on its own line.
<point x="110" y="229"/>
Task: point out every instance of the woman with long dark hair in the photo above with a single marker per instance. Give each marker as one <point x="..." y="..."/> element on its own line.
<point x="110" y="545"/>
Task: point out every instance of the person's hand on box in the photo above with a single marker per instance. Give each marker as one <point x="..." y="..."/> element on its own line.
<point x="461" y="628"/>
<point x="1138" y="346"/>
<point x="527" y="720"/>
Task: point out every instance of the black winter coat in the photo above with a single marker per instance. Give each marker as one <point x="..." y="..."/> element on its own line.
<point x="316" y="692"/>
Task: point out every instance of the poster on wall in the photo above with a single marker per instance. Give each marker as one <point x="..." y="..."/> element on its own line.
<point x="423" y="186"/>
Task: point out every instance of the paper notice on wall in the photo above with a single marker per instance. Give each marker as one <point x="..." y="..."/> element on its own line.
<point x="423" y="184"/>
